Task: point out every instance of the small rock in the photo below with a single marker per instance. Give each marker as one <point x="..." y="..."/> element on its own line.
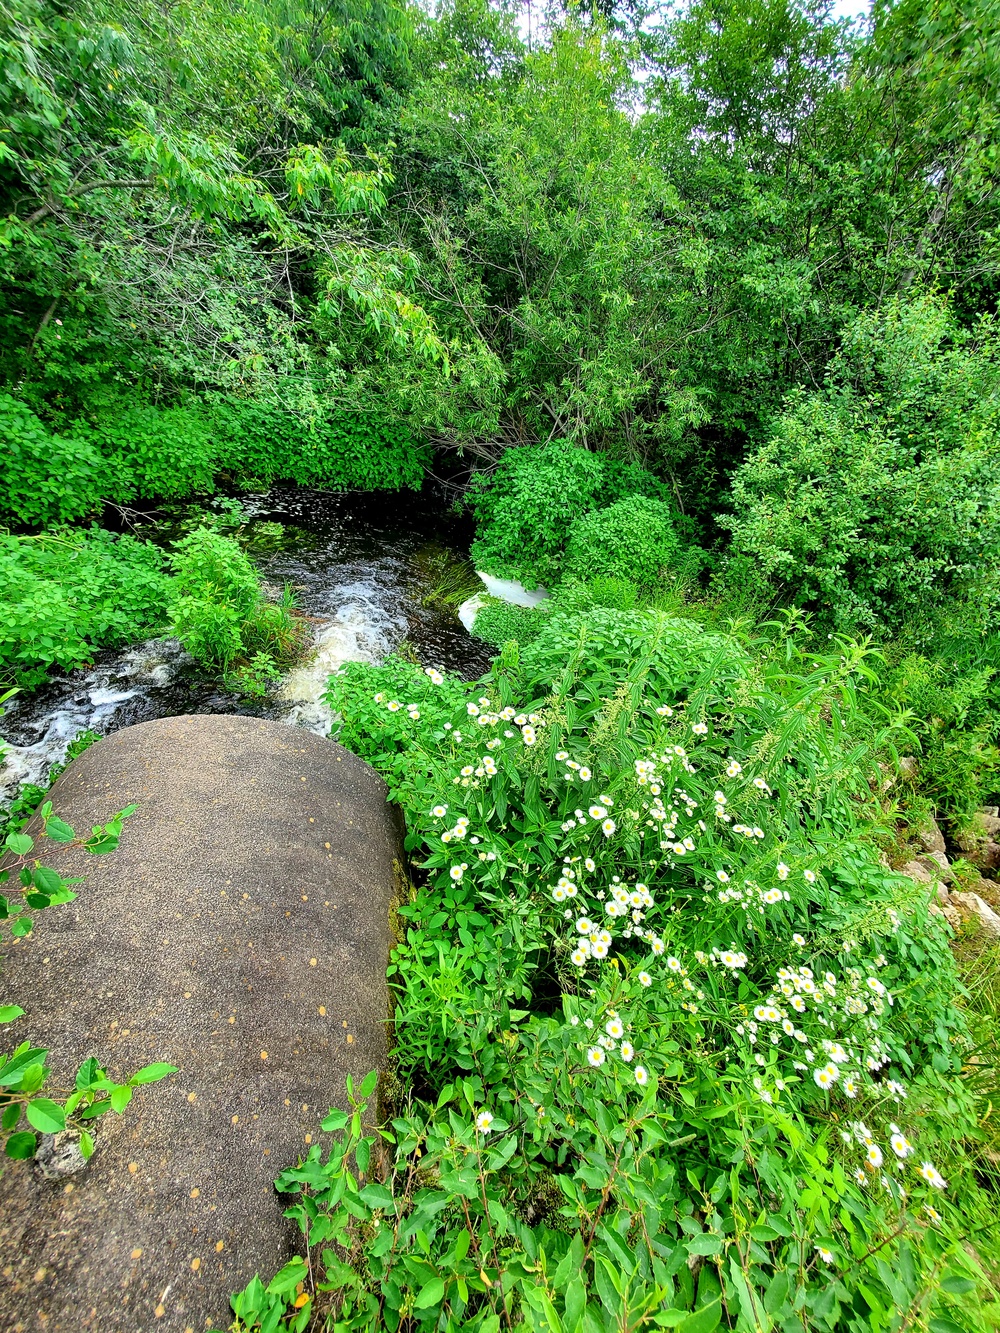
<point x="948" y="912"/>
<point x="918" y="872"/>
<point x="909" y="766"/>
<point x="929" y="835"/>
<point x="59" y="1155"/>
<point x="993" y="810"/>
<point x="988" y="890"/>
<point x="943" y="896"/>
<point x="971" y="905"/>
<point x="981" y="852"/>
<point x="986" y="823"/>
<point x="937" y="865"/>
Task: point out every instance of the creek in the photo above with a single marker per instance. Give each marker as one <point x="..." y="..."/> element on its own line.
<point x="361" y="566"/>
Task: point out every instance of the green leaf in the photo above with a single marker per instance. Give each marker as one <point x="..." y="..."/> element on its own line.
<point x="430" y="1293"/>
<point x="377" y="1196"/>
<point x="957" y="1286"/>
<point x="705" y="1244"/>
<point x="120" y="1098"/>
<point x="46" y="880"/>
<point x="22" y="1145"/>
<point x="14" y="1070"/>
<point x="8" y="1012"/>
<point x="288" y="1278"/>
<point x="58" y="830"/>
<point x="704" y="1320"/>
<point x="362" y="1154"/>
<point x="370" y="1083"/>
<point x="151" y="1074"/>
<point x="88" y="1074"/>
<point x="22" y="926"/>
<point x="46" y="1116"/>
<point x="19" y="843"/>
<point x="86" y="1145"/>
<point x="10" y="1116"/>
<point x="941" y="1325"/>
<point x="335" y="1120"/>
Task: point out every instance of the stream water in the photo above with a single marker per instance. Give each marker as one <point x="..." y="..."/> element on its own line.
<point x="361" y="566"/>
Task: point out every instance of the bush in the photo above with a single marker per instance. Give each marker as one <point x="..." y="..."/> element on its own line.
<point x="877" y="500"/>
<point x="632" y="540"/>
<point x="44" y="478"/>
<point x="63" y="595"/>
<point x="660" y="1003"/>
<point x="497" y="622"/>
<point x="219" y="613"/>
<point x="526" y="508"/>
<point x="340" y="450"/>
<point x="162" y="452"/>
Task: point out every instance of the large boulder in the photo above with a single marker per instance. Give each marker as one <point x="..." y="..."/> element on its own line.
<point x="241" y="932"/>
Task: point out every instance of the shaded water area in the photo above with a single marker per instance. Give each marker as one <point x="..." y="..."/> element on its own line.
<point x="361" y="566"/>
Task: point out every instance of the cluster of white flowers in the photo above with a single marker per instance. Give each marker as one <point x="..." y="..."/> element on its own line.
<point x="394" y="706"/>
<point x="796" y="1024"/>
<point x="875" y="1159"/>
<point x="434" y="676"/>
<point x="598" y="813"/>
<point x="610" y="1042"/>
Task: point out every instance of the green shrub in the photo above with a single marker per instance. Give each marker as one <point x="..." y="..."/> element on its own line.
<point x="219" y="613"/>
<point x="62" y="595"/>
<point x="632" y="540"/>
<point x="162" y="452"/>
<point x="497" y="622"/>
<point x="45" y="478"/>
<point x="877" y="500"/>
<point x="526" y="508"/>
<point x="340" y="451"/>
<point x="680" y="1050"/>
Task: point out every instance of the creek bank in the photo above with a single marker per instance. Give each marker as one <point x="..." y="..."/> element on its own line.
<point x="241" y="932"/>
<point x="353" y="561"/>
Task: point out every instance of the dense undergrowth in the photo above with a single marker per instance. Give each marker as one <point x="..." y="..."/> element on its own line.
<point x="676" y="1047"/>
<point x="695" y="313"/>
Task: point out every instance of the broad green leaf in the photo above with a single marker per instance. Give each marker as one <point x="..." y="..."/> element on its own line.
<point x="955" y="1285"/>
<point x="19" y="843"/>
<point x="120" y="1098"/>
<point x="46" y="1116"/>
<point x="8" y="1012"/>
<point x="21" y="1145"/>
<point x="58" y="830"/>
<point x="152" y="1074"/>
<point x="429" y="1294"/>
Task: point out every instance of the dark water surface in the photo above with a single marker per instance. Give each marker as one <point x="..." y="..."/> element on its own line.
<point x="360" y="565"/>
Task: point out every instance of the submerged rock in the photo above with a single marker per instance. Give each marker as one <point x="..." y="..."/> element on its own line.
<point x="241" y="932"/>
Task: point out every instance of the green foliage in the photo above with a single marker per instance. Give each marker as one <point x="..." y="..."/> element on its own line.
<point x="498" y="622"/>
<point x="23" y="1071"/>
<point x="63" y="594"/>
<point x="336" y="450"/>
<point x="876" y="499"/>
<point x="651" y="960"/>
<point x="150" y="451"/>
<point x="219" y="613"/>
<point x="44" y="478"/>
<point x="527" y="507"/>
<point x="632" y="540"/>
